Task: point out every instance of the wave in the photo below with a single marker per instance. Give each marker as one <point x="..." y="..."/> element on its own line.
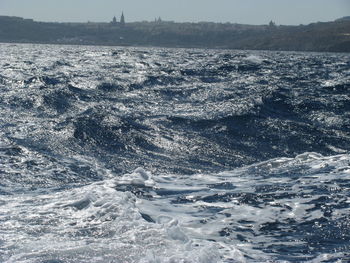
<point x="188" y="128"/>
<point x="244" y="155"/>
<point x="285" y="204"/>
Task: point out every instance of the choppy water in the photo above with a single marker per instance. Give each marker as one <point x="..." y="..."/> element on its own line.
<point x="173" y="155"/>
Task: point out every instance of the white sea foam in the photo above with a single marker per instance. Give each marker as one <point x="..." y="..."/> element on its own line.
<point x="254" y="59"/>
<point x="95" y="223"/>
<point x="98" y="223"/>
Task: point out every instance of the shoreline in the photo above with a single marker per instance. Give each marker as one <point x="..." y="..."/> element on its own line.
<point x="316" y="37"/>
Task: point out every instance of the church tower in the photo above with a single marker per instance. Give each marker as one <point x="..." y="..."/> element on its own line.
<point x="122" y="20"/>
<point x="114" y="21"/>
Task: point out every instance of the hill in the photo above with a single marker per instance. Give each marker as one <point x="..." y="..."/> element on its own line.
<point x="345" y="18"/>
<point x="322" y="37"/>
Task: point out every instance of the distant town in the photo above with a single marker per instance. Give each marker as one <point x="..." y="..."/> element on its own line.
<point x="331" y="36"/>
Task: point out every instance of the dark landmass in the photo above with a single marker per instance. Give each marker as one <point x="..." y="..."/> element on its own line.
<point x="321" y="37"/>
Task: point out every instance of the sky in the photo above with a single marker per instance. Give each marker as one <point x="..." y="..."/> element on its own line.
<point x="286" y="12"/>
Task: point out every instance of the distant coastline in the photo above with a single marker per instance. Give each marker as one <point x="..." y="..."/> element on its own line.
<point x="319" y="37"/>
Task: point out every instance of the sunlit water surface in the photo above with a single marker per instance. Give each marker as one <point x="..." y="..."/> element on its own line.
<point x="114" y="154"/>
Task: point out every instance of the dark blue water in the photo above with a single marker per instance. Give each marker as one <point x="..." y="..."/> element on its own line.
<point x="173" y="155"/>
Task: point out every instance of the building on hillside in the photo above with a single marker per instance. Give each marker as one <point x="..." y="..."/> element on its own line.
<point x="122" y="19"/>
<point x="272" y="24"/>
<point x="114" y="21"/>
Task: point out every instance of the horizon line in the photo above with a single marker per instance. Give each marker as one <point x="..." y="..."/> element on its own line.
<point x="165" y="21"/>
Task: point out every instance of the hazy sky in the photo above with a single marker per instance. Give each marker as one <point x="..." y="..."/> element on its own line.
<point x="239" y="11"/>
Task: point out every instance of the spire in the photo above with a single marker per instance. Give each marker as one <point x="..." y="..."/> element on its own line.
<point x="122" y="19"/>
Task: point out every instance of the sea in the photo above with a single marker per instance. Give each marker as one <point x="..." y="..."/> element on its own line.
<point x="141" y="154"/>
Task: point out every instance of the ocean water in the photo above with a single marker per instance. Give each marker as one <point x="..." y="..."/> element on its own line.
<point x="111" y="154"/>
